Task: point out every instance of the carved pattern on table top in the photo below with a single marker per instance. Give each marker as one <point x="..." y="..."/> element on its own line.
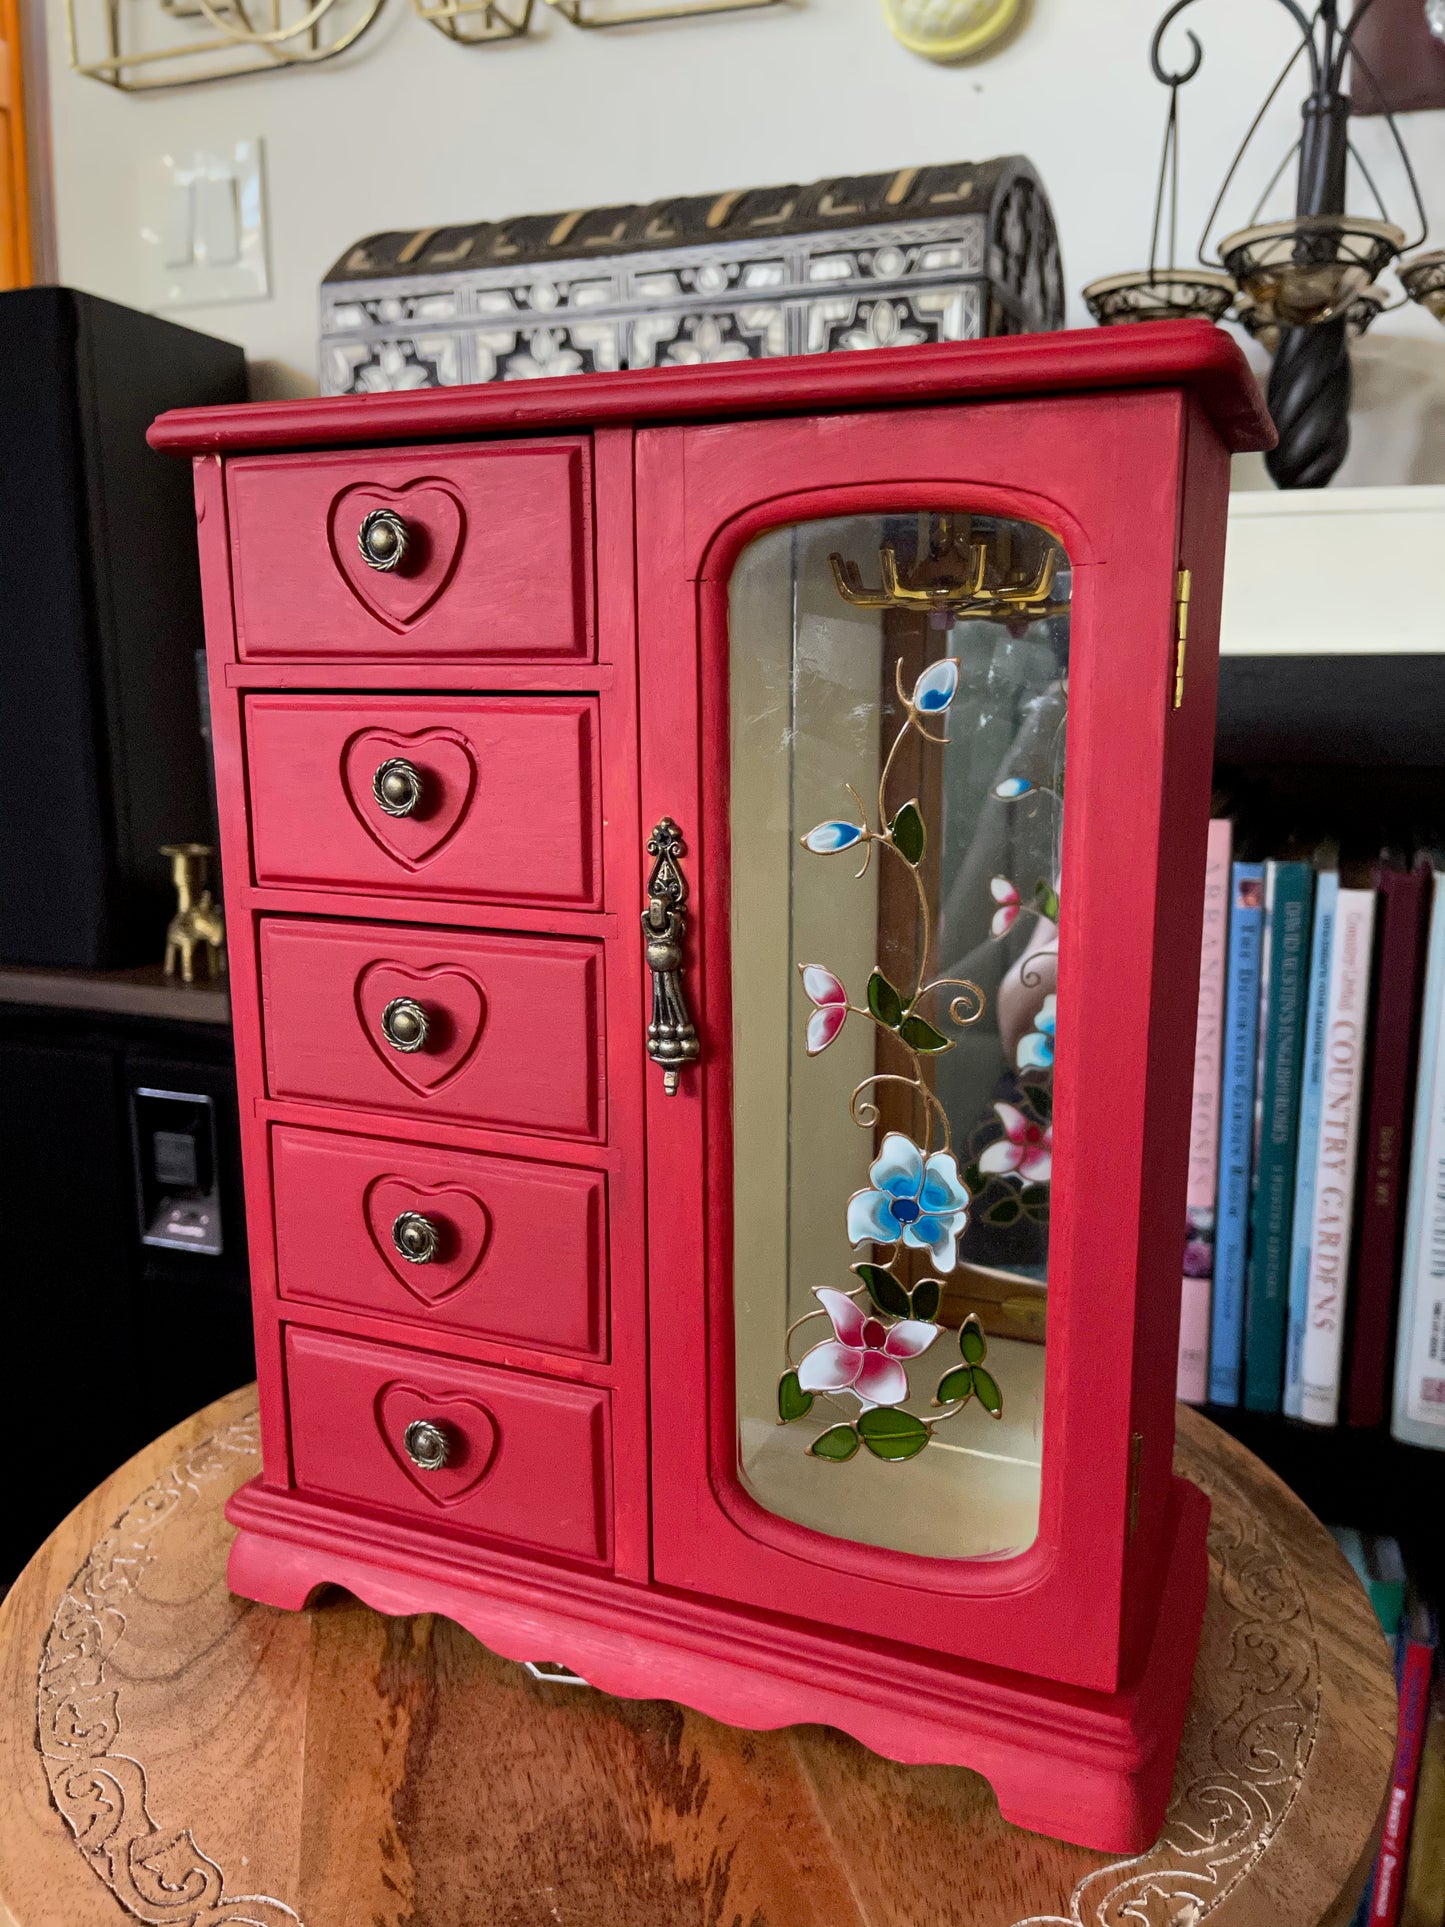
<point x="157" y="1873"/>
<point x="1239" y="1772"/>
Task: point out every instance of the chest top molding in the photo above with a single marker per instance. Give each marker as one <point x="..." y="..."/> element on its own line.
<point x="1190" y="355"/>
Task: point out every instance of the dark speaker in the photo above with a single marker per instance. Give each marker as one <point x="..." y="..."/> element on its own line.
<point x="101" y="758"/>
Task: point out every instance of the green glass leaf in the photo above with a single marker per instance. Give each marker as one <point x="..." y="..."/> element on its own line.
<point x="1046" y="900"/>
<point x="1004" y="1212"/>
<point x="973" y="1180"/>
<point x="891" y="1434"/>
<point x="838" y="1443"/>
<point x="793" y="1401"/>
<point x="957" y="1384"/>
<point x="908" y="834"/>
<point x="925" y="1299"/>
<point x="884" y="1289"/>
<point x="920" y="1035"/>
<point x="884" y="1001"/>
<point x="971" y="1341"/>
<point x="989" y="1395"/>
<point x="1034" y="1194"/>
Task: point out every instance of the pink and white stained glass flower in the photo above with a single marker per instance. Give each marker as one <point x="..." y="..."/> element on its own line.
<point x="831" y="1000"/>
<point x="1026" y="1147"/>
<point x="864" y="1356"/>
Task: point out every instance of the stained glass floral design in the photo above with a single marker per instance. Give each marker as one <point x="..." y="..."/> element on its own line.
<point x="916" y="1198"/>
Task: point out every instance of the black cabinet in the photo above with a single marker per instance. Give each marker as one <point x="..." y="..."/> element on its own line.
<point x="109" y="1338"/>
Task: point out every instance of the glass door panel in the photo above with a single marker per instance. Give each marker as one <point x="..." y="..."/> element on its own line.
<point x="899" y="694"/>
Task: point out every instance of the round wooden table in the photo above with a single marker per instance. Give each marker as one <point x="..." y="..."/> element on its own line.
<point x="171" y="1754"/>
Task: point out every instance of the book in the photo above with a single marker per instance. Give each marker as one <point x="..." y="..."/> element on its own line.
<point x="1380" y="1567"/>
<point x="1193" y="1375"/>
<point x="1418" y="1417"/>
<point x="1288" y="896"/>
<point x="1236" y="1131"/>
<point x="1346" y="1031"/>
<point x="1424" y="1896"/>
<point x="1312" y="1079"/>
<point x="1380" y="1205"/>
<point x="1414" y="1664"/>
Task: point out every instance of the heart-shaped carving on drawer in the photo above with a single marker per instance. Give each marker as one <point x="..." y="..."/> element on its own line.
<point x="471" y="1432"/>
<point x="448" y="771"/>
<point x="435" y="523"/>
<point x="462" y="1223"/>
<point x="455" y="1010"/>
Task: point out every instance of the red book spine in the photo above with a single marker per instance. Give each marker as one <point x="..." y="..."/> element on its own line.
<point x="1388" y="1890"/>
<point x="1404" y="899"/>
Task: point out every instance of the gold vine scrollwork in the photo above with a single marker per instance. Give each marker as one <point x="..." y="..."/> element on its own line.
<point x="155" y="1873"/>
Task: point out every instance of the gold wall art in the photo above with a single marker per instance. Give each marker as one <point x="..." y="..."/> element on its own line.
<point x="139" y="46"/>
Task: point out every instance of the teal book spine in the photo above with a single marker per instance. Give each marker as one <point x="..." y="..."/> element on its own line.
<point x="1236" y="1128"/>
<point x="1288" y="899"/>
<point x="1312" y="1085"/>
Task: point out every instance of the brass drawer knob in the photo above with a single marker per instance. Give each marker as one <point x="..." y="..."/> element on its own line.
<point x="415" y="1237"/>
<point x="404" y="1024"/>
<point x="382" y="540"/>
<point x="397" y="786"/>
<point x="427" y="1444"/>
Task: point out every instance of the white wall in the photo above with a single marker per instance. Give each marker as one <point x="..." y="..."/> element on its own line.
<point x="409" y="130"/>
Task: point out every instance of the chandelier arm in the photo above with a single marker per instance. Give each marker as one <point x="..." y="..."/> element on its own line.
<point x="1161" y="73"/>
<point x="1356" y="156"/>
<point x="1347" y="45"/>
<point x="1240" y="151"/>
<point x="1270" y="184"/>
<point x="1171" y="150"/>
<point x="1420" y="215"/>
<point x="1306" y="25"/>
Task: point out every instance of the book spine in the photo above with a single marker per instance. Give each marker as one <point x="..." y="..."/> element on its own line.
<point x="1388" y="1886"/>
<point x="1419" y="1403"/>
<point x="1380" y="1207"/>
<point x="1346" y="1025"/>
<point x="1241" y="1029"/>
<point x="1424" y="1904"/>
<point x="1193" y="1372"/>
<point x="1289" y="889"/>
<point x="1327" y="892"/>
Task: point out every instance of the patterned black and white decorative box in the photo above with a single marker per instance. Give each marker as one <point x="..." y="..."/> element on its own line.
<point x="945" y="253"/>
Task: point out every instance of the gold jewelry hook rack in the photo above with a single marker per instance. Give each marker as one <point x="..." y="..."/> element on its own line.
<point x="960" y="574"/>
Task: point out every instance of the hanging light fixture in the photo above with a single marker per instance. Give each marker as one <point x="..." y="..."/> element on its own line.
<point x="1303" y="287"/>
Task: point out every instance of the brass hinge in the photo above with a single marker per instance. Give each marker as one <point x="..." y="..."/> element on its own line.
<point x="1181" y="633"/>
<point x="1136" y="1459"/>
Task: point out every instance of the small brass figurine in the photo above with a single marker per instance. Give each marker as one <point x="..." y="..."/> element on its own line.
<point x="199" y="922"/>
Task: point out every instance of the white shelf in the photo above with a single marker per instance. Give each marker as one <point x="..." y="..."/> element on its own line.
<point x="1335" y="572"/>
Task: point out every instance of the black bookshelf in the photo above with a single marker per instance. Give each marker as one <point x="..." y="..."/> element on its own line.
<point x="1349" y="746"/>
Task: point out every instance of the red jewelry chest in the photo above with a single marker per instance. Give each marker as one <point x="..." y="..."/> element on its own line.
<point x="772" y="1303"/>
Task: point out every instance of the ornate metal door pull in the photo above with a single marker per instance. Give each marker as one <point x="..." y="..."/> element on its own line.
<point x="671" y="1038"/>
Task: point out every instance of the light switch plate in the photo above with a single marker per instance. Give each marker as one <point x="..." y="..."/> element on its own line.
<point x="203" y="226"/>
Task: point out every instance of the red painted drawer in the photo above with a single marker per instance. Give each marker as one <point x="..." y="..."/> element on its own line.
<point x="513" y="1023"/>
<point x="507" y="809"/>
<point x="527" y="1458"/>
<point x="490" y="1224"/>
<point x="497" y="560"/>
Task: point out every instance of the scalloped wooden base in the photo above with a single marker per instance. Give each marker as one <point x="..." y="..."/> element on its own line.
<point x="1091" y="1768"/>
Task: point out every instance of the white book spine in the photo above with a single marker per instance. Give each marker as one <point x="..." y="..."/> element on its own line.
<point x="1346" y="1028"/>
<point x="1419" y="1406"/>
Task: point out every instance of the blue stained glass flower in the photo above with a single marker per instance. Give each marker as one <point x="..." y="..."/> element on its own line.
<point x="828" y="837"/>
<point x="913" y="1201"/>
<point x="936" y="687"/>
<point x="1012" y="787"/>
<point x="1036" y="1050"/>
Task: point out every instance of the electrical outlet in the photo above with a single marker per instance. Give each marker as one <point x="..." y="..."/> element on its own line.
<point x="203" y="227"/>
